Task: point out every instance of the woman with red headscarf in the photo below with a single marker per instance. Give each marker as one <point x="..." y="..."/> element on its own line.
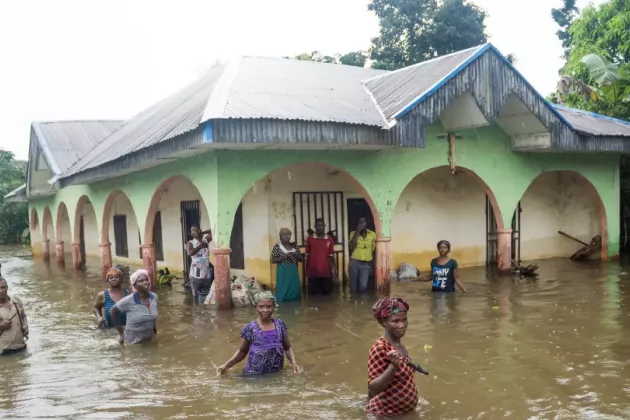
<point x="106" y="300"/>
<point x="391" y="388"/>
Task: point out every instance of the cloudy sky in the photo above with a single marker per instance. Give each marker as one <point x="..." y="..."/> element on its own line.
<point x="88" y="59"/>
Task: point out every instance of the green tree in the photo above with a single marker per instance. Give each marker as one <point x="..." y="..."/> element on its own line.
<point x="412" y="31"/>
<point x="13" y="216"/>
<point x="564" y="17"/>
<point x="316" y="56"/>
<point x="355" y="58"/>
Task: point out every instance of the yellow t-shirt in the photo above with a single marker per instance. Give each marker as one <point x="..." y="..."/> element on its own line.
<point x="365" y="246"/>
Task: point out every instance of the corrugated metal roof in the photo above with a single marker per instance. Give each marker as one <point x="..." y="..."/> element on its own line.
<point x="17" y="195"/>
<point x="66" y="142"/>
<point x="595" y="124"/>
<point x="397" y="90"/>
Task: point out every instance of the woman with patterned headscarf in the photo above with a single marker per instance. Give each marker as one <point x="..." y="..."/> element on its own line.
<point x="391" y="386"/>
<point x="106" y="300"/>
<point x="286" y="257"/>
<point x="265" y="339"/>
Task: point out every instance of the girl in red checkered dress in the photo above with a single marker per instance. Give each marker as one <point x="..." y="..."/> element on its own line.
<point x="391" y="388"/>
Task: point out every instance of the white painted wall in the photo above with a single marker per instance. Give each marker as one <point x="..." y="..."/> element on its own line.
<point x="50" y="230"/>
<point x="65" y="233"/>
<point x="169" y="207"/>
<point x="556" y="201"/>
<point x="121" y="206"/>
<point x="36" y="235"/>
<point x="437" y="205"/>
<point x="90" y="230"/>
<point x="268" y="207"/>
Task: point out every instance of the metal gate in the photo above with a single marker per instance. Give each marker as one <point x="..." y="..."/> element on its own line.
<point x="189" y="217"/>
<point x="492" y="237"/>
<point x="516" y="234"/>
<point x="308" y="206"/>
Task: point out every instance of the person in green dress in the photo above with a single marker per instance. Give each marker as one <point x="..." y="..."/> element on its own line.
<point x="286" y="256"/>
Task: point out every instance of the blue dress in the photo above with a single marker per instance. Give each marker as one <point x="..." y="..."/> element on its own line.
<point x="266" y="352"/>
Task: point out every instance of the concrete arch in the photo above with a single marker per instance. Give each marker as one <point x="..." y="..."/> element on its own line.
<point x="452" y="207"/>
<point x="569" y="185"/>
<point x="89" y="243"/>
<point x="36" y="233"/>
<point x="48" y="231"/>
<point x="113" y="198"/>
<point x="62" y="225"/>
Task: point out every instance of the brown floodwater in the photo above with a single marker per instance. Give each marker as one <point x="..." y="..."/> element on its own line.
<point x="555" y="348"/>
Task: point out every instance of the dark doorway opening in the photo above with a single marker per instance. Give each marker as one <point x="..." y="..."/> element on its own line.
<point x="157" y="237"/>
<point x="120" y="236"/>
<point x="189" y="217"/>
<point x="357" y="208"/>
<point x="516" y="234"/>
<point x="237" y="257"/>
<point x="492" y="236"/>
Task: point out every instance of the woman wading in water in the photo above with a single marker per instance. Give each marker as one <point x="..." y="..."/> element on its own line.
<point x="444" y="273"/>
<point x="141" y="309"/>
<point x="106" y="300"/>
<point x="265" y="339"/>
<point x="391" y="388"/>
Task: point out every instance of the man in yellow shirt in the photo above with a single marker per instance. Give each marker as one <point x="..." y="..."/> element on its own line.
<point x="362" y="246"/>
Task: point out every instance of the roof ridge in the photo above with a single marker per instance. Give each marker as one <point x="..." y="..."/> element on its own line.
<point x="218" y="100"/>
<point x="77" y="121"/>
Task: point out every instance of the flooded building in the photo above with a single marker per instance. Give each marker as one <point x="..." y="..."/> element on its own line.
<point x="460" y="148"/>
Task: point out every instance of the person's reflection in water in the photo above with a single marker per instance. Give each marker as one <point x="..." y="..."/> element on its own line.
<point x="443" y="308"/>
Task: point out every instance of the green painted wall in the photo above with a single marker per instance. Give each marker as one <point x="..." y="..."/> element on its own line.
<point x="224" y="177"/>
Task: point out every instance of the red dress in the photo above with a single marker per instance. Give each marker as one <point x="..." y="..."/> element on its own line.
<point x="401" y="395"/>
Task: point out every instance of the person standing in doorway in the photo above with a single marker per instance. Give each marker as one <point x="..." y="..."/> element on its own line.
<point x="286" y="257"/>
<point x="320" y="260"/>
<point x="201" y="272"/>
<point x="13" y="323"/>
<point x="362" y="246"/>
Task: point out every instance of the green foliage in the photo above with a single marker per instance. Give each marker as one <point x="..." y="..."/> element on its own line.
<point x="13" y="216"/>
<point x="412" y="31"/>
<point x="355" y="58"/>
<point x="564" y="17"/>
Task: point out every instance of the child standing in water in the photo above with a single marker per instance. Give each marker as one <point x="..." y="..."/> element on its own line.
<point x="265" y="339"/>
<point x="391" y="388"/>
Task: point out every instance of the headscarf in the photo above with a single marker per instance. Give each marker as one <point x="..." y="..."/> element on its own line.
<point x="114" y="271"/>
<point x="389" y="306"/>
<point x="136" y="276"/>
<point x="259" y="296"/>
<point x="443" y="242"/>
<point x="286" y="230"/>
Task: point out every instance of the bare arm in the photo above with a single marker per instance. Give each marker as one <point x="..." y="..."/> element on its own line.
<point x="193" y="250"/>
<point x="240" y="354"/>
<point x="458" y="281"/>
<point x="288" y="349"/>
<point x="99" y="303"/>
<point x="381" y="382"/>
<point x="115" y="314"/>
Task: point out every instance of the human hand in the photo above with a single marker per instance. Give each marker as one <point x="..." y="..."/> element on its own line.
<point x="222" y="370"/>
<point x="395" y="359"/>
<point x="297" y="369"/>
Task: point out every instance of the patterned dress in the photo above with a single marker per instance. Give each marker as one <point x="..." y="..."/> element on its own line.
<point x="288" y="286"/>
<point x="401" y="396"/>
<point x="266" y="352"/>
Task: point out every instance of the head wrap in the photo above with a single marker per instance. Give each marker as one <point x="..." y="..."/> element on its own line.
<point x="114" y="271"/>
<point x="389" y="306"/>
<point x="286" y="230"/>
<point x="259" y="296"/>
<point x="136" y="276"/>
<point x="447" y="243"/>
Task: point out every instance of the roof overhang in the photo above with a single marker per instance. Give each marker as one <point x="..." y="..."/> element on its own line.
<point x="18" y="195"/>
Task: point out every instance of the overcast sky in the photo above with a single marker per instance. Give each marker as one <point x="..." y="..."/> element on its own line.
<point x="85" y="59"/>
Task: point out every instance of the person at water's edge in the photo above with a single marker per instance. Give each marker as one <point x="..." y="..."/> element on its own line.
<point x="201" y="272"/>
<point x="320" y="260"/>
<point x="106" y="300"/>
<point x="13" y="322"/>
<point x="265" y="340"/>
<point x="391" y="388"/>
<point x="141" y="308"/>
<point x="362" y="246"/>
<point x="444" y="273"/>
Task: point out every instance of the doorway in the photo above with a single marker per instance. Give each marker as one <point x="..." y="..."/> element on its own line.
<point x="189" y="217"/>
<point x="358" y="208"/>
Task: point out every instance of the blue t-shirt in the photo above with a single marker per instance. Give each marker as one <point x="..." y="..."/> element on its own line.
<point x="443" y="275"/>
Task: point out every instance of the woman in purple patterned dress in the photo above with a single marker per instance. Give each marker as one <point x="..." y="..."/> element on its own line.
<point x="265" y="340"/>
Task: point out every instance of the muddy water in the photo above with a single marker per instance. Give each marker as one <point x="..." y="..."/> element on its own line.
<point x="556" y="348"/>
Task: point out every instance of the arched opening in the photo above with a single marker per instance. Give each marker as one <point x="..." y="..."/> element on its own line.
<point x="48" y="231"/>
<point x="438" y="205"/>
<point x="86" y="230"/>
<point x="293" y="197"/>
<point x="120" y="228"/>
<point x="175" y="207"/>
<point x="36" y="234"/>
<point x="562" y="201"/>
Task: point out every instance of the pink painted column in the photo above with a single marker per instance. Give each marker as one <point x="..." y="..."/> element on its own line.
<point x="61" y="258"/>
<point x="46" y="250"/>
<point x="149" y="262"/>
<point x="222" y="288"/>
<point x="106" y="258"/>
<point x="382" y="264"/>
<point x="504" y="247"/>
<point x="76" y="256"/>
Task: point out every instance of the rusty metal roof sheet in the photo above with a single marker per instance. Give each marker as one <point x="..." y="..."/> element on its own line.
<point x="398" y="91"/>
<point x="66" y="142"/>
<point x="594" y="124"/>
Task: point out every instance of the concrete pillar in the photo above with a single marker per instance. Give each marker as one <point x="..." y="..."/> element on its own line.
<point x="504" y="247"/>
<point x="382" y="264"/>
<point x="106" y="258"/>
<point x="61" y="258"/>
<point x="76" y="255"/>
<point x="46" y="250"/>
<point x="222" y="288"/>
<point x="149" y="262"/>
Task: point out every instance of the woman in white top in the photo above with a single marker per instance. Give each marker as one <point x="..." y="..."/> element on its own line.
<point x="201" y="272"/>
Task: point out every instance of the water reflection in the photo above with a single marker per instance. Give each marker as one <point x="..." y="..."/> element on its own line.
<point x="552" y="348"/>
